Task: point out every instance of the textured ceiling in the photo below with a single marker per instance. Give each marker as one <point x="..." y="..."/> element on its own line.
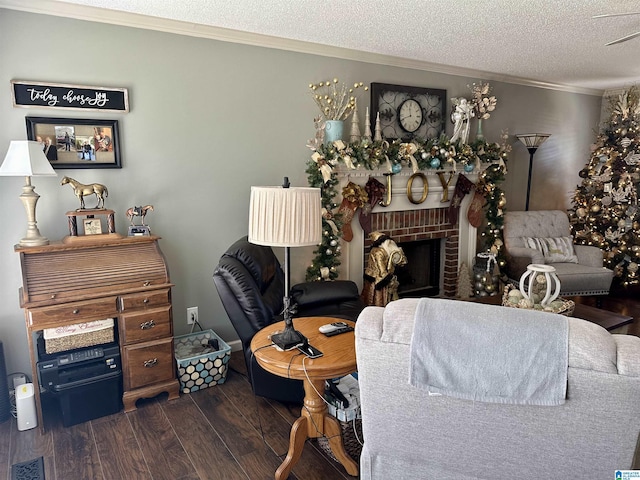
<point x="548" y="41"/>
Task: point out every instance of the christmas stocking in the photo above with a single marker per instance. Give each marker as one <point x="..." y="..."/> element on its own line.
<point x="463" y="186"/>
<point x="353" y="197"/>
<point x="375" y="192"/>
<point x="474" y="215"/>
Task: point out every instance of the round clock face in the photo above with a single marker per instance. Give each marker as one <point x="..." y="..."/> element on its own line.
<point x="410" y="115"/>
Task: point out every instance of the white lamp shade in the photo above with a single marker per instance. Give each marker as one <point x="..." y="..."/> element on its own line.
<point x="26" y="159"/>
<point x="285" y="217"/>
<point x="533" y="140"/>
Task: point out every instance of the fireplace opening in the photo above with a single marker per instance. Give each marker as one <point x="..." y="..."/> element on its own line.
<point x="420" y="277"/>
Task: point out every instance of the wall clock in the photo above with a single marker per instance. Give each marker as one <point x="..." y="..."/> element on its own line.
<point x="408" y="112"/>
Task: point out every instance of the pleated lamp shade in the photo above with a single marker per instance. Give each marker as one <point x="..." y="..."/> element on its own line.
<point x="285" y="217"/>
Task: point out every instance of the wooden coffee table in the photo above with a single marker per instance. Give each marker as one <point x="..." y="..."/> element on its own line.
<point x="339" y="359"/>
<point x="608" y="320"/>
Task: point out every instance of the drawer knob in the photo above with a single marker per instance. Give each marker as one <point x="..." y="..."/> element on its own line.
<point x="150" y="363"/>
<point x="146" y="300"/>
<point x="146" y="284"/>
<point x="147" y="325"/>
<point x="76" y="311"/>
<point x="53" y="296"/>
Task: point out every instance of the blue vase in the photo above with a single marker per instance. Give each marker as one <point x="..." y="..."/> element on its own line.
<point x="333" y="130"/>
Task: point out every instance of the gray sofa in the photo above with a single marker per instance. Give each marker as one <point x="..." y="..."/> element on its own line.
<point x="412" y="434"/>
<point x="587" y="277"/>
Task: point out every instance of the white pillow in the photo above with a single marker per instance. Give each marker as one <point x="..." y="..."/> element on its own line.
<point x="555" y="250"/>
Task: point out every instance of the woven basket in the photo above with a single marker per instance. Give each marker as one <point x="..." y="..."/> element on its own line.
<point x="566" y="309"/>
<point x="350" y="440"/>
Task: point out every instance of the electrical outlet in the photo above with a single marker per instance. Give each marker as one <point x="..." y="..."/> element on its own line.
<point x="192" y="315"/>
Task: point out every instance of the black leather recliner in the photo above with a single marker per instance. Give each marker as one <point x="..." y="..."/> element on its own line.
<point x="250" y="283"/>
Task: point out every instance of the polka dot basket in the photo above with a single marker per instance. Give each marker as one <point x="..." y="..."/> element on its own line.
<point x="200" y="364"/>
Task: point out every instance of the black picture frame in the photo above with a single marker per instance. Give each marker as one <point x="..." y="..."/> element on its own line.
<point x="77" y="142"/>
<point x="387" y="98"/>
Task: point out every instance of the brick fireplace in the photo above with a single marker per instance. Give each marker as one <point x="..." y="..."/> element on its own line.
<point x="405" y="221"/>
<point x="414" y="225"/>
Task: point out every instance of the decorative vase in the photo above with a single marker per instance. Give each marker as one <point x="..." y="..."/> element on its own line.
<point x="479" y="134"/>
<point x="333" y="130"/>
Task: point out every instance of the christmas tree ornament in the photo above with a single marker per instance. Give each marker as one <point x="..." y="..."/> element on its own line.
<point x="354" y="134"/>
<point x="378" y="130"/>
<point x="464" y="289"/>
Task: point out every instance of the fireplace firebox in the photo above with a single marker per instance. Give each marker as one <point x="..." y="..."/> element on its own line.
<point x="420" y="277"/>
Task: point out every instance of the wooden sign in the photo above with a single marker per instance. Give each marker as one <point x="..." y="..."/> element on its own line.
<point x="69" y="97"/>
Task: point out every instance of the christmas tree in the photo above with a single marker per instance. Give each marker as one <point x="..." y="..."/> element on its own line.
<point x="605" y="205"/>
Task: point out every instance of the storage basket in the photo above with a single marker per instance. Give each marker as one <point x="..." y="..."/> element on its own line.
<point x="199" y="365"/>
<point x="79" y="335"/>
<point x="351" y="439"/>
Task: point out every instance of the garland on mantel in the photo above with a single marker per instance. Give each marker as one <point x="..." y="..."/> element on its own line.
<point x="488" y="159"/>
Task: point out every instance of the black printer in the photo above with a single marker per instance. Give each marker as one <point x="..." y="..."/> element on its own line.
<point x="86" y="382"/>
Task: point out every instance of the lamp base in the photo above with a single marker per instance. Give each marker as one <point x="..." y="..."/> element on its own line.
<point x="33" y="242"/>
<point x="289" y="339"/>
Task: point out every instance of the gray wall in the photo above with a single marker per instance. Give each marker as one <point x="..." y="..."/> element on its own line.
<point x="209" y="119"/>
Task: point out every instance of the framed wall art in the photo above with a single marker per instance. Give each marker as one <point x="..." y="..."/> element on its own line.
<point x="77" y="143"/>
<point x="408" y="112"/>
<point x="69" y="97"/>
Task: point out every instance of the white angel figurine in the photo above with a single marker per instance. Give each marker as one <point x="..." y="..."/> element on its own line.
<point x="461" y="118"/>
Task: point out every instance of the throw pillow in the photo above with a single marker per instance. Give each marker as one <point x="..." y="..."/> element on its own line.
<point x="555" y="249"/>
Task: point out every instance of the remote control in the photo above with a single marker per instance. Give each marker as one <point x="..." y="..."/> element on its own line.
<point x="345" y="329"/>
<point x="331" y="327"/>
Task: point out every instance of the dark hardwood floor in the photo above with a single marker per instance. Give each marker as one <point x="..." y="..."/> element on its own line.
<point x="216" y="433"/>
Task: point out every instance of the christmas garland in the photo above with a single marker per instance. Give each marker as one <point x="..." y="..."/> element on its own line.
<point x="431" y="154"/>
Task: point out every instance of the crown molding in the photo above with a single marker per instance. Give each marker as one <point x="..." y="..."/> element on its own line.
<point x="115" y="17"/>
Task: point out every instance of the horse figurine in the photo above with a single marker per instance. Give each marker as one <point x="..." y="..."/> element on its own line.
<point x="138" y="212"/>
<point x="81" y="190"/>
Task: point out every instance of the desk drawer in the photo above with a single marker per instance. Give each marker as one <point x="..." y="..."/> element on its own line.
<point x="148" y="363"/>
<point x="145" y="325"/>
<point x="144" y="299"/>
<point x="74" y="312"/>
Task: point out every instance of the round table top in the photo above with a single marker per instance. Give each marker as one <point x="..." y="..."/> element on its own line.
<point x="339" y="351"/>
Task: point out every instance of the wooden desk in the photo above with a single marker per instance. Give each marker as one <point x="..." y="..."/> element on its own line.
<point x="123" y="278"/>
<point x="608" y="320"/>
<point x="339" y="359"/>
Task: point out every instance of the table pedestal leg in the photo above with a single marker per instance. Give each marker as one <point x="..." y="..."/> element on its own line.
<point x="314" y="422"/>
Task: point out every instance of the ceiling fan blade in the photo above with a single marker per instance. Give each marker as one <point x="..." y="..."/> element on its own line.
<point x="624" y="39"/>
<point x="606" y="15"/>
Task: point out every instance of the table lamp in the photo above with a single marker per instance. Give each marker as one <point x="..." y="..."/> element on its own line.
<point x="26" y="159"/>
<point x="285" y="217"/>
<point x="532" y="141"/>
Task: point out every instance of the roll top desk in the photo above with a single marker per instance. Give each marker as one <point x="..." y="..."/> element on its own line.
<point x="125" y="279"/>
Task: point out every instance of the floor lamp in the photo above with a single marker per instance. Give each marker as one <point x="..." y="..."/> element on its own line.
<point x="285" y="217"/>
<point x="26" y="159"/>
<point x="532" y="141"/>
